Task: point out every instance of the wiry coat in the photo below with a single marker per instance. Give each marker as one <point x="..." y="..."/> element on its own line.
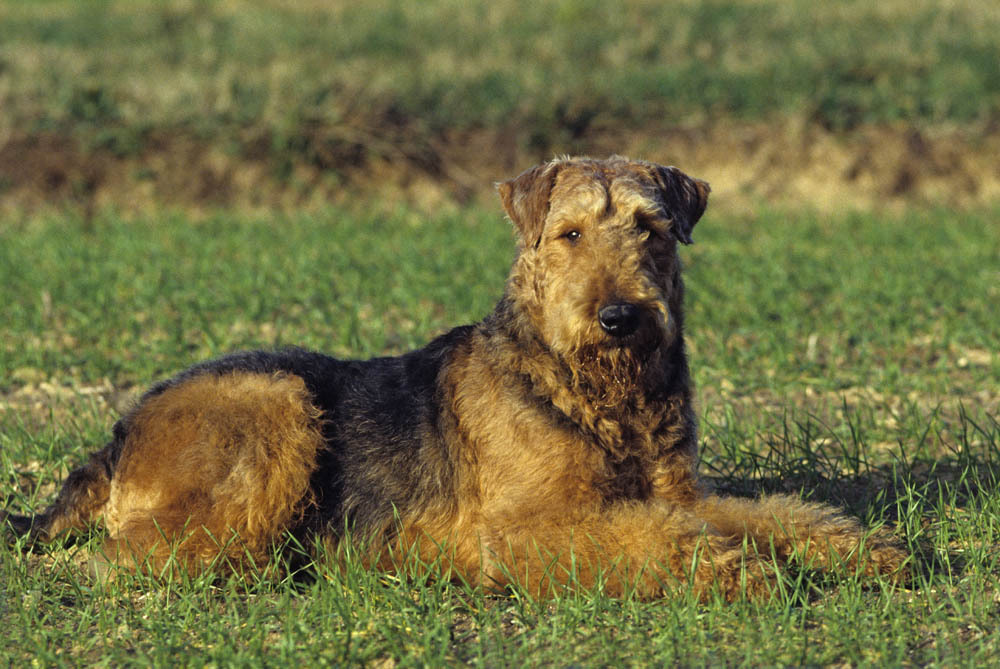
<point x="553" y="442"/>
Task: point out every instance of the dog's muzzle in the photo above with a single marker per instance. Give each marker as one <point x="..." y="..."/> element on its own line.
<point x="619" y="319"/>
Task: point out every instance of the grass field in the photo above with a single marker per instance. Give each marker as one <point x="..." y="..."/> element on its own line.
<point x="452" y="65"/>
<point x="269" y="102"/>
<point x="181" y="178"/>
<point x="850" y="359"/>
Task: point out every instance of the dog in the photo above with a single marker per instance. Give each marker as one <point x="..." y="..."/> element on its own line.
<point x="552" y="444"/>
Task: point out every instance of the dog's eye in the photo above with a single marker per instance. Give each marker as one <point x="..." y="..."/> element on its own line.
<point x="648" y="228"/>
<point x="572" y="236"/>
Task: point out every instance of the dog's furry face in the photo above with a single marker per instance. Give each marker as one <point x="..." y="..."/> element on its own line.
<point x="597" y="271"/>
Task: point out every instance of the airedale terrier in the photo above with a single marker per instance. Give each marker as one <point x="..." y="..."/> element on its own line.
<point x="553" y="443"/>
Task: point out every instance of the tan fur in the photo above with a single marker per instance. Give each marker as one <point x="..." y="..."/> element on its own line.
<point x="218" y="464"/>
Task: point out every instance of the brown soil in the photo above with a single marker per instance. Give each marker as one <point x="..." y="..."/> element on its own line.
<point x="781" y="163"/>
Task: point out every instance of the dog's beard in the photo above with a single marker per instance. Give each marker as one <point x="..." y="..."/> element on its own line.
<point x="619" y="385"/>
<point x="613" y="374"/>
<point x="606" y="377"/>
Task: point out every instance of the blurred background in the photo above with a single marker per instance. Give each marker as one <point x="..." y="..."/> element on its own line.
<point x="296" y="103"/>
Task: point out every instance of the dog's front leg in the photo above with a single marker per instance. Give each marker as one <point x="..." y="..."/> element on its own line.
<point x="650" y="549"/>
<point x="815" y="535"/>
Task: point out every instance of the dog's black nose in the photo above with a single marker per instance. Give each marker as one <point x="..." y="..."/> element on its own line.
<point x="620" y="319"/>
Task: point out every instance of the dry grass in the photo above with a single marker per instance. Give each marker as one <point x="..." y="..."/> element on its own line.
<point x="282" y="105"/>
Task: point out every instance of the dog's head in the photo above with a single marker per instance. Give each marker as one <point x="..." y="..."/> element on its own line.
<point x="659" y="193"/>
<point x="597" y="270"/>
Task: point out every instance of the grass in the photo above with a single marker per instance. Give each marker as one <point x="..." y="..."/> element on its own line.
<point x="849" y="359"/>
<point x="315" y="80"/>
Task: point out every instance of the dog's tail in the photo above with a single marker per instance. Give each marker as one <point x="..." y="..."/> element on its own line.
<point x="79" y="503"/>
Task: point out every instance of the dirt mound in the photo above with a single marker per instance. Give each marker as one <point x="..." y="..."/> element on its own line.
<point x="790" y="163"/>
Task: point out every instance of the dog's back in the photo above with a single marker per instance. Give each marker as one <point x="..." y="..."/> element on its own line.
<point x="231" y="453"/>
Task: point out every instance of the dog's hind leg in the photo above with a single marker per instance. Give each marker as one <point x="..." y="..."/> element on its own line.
<point x="80" y="501"/>
<point x="216" y="465"/>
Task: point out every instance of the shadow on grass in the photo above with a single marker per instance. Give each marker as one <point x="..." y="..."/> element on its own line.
<point x="933" y="502"/>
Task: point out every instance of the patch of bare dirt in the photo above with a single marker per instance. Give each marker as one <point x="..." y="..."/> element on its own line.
<point x="785" y="163"/>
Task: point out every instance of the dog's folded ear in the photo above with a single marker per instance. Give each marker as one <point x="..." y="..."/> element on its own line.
<point x="526" y="200"/>
<point x="684" y="199"/>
